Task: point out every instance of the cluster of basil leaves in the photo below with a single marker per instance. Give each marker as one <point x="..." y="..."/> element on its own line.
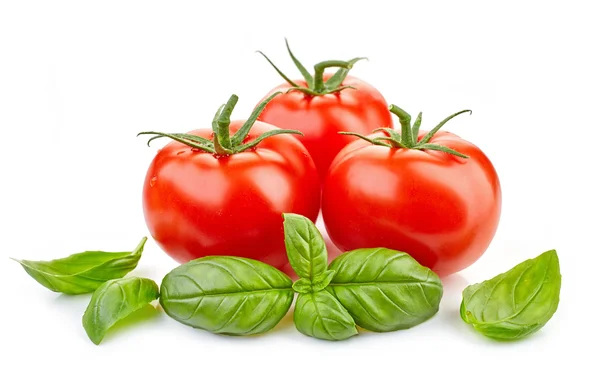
<point x="377" y="289"/>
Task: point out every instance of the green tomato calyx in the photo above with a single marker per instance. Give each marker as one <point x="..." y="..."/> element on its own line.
<point x="316" y="86"/>
<point x="222" y="143"/>
<point x="408" y="138"/>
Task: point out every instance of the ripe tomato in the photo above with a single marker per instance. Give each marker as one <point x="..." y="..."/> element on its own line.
<point x="422" y="198"/>
<point x="323" y="105"/>
<point x="198" y="202"/>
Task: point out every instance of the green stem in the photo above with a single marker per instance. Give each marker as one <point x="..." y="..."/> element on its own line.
<point x="407" y="138"/>
<point x="338" y="78"/>
<point x="315" y="85"/>
<point x="222" y="143"/>
<point x="218" y="148"/>
<point x="222" y="139"/>
<point x="319" y="85"/>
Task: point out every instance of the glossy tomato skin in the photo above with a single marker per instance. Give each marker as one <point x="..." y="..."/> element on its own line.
<point x="441" y="209"/>
<point x="320" y="118"/>
<point x="197" y="204"/>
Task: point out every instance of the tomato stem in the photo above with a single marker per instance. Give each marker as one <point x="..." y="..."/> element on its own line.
<point x="315" y="85"/>
<point x="319" y="85"/>
<point x="409" y="135"/>
<point x="407" y="138"/>
<point x="223" y="143"/>
<point x="221" y="139"/>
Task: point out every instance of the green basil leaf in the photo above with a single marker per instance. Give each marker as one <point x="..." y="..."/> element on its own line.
<point x="227" y="295"/>
<point x="320" y="315"/>
<point x="305" y="246"/>
<point x="516" y="303"/>
<point x="83" y="272"/>
<point x="385" y="290"/>
<point x="115" y="300"/>
<point x="321" y="281"/>
<point x="302" y="286"/>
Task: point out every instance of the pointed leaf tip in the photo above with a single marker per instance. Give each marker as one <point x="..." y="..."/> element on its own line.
<point x="355" y="60"/>
<point x="281" y="74"/>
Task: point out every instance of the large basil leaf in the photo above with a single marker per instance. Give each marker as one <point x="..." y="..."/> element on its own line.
<point x="115" y="300"/>
<point x="320" y="315"/>
<point x="305" y="246"/>
<point x="227" y="295"/>
<point x="385" y="290"/>
<point x="83" y="272"/>
<point x="516" y="303"/>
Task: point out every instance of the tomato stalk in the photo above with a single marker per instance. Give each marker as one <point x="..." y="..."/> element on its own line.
<point x="220" y="126"/>
<point x="316" y="86"/>
<point x="408" y="137"/>
<point x="223" y="143"/>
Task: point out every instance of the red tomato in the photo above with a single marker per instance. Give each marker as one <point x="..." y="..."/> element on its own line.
<point x="440" y="208"/>
<point x="197" y="203"/>
<point x="322" y="105"/>
<point x="321" y="118"/>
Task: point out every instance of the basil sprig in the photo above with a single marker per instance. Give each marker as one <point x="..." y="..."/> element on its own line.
<point x="317" y="313"/>
<point x="115" y="300"/>
<point x="83" y="272"/>
<point x="307" y="253"/>
<point x="516" y="303"/>
<point x="227" y="295"/>
<point x="377" y="289"/>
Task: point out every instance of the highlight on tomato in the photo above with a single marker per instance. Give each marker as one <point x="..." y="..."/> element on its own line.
<point x="430" y="194"/>
<point x="222" y="191"/>
<point x="320" y="105"/>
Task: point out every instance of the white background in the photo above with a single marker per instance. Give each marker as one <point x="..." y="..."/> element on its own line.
<point x="79" y="80"/>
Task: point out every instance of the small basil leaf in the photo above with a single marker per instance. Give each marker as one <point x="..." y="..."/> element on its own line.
<point x="321" y="281"/>
<point x="115" y="300"/>
<point x="83" y="272"/>
<point x="305" y="246"/>
<point x="302" y="285"/>
<point x="385" y="290"/>
<point x="320" y="315"/>
<point x="516" y="303"/>
<point x="227" y="295"/>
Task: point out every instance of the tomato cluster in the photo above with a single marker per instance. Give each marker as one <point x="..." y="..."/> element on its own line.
<point x="322" y="143"/>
